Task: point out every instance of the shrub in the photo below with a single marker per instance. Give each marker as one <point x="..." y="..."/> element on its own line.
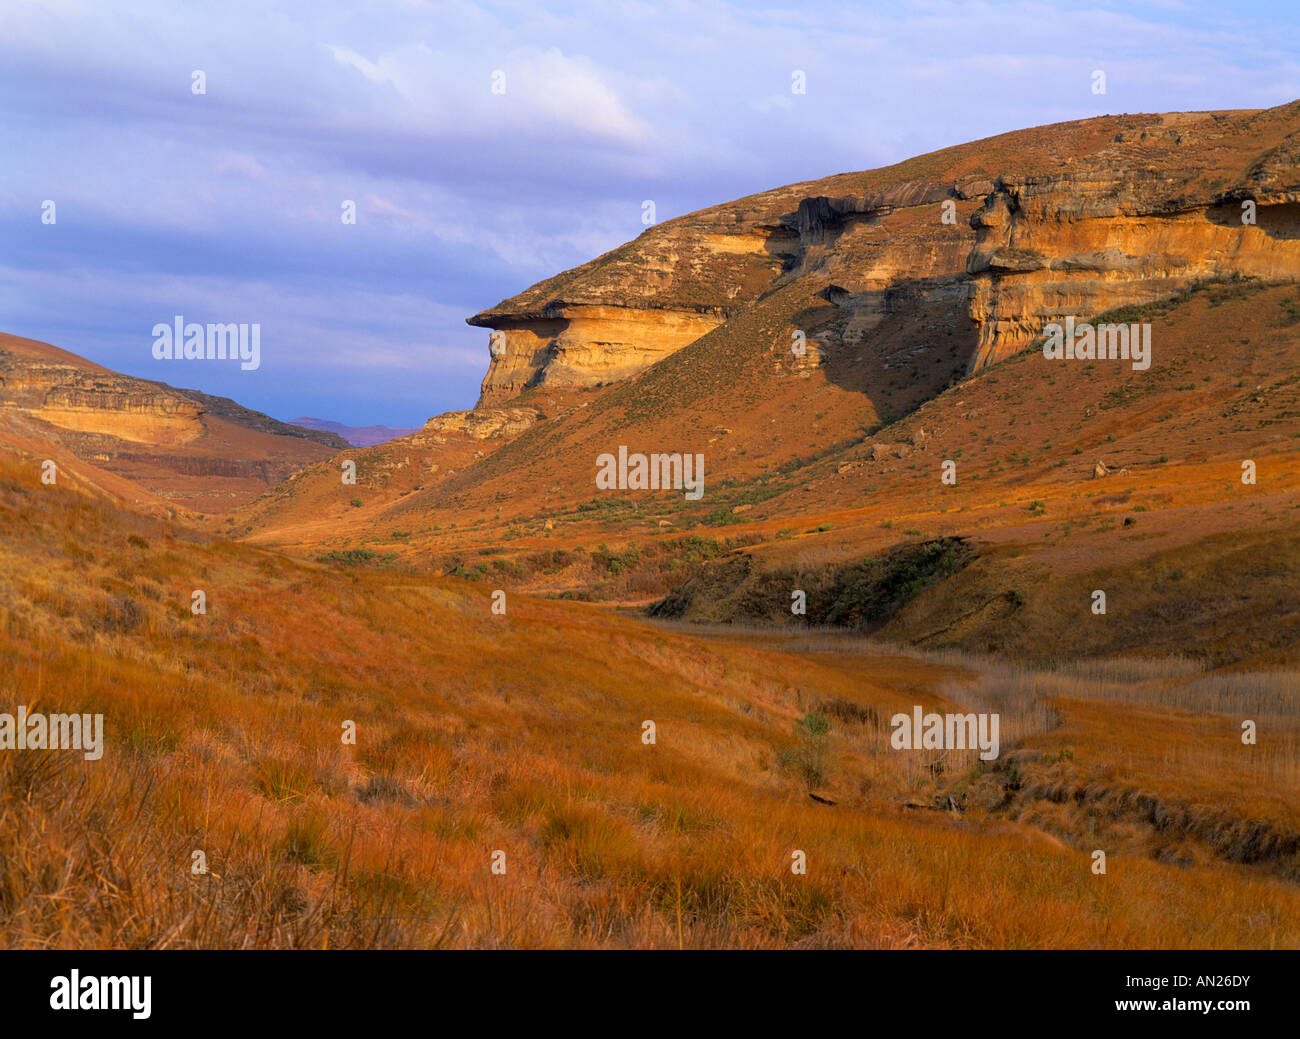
<point x="811" y="756"/>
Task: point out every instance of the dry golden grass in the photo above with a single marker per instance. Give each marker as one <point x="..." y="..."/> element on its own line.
<point x="479" y="733"/>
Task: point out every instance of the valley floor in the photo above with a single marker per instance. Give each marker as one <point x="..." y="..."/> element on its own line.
<point x="502" y="791"/>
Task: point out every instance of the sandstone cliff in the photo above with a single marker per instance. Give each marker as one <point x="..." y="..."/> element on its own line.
<point x="1140" y="220"/>
<point x="899" y="287"/>
<point x="1017" y="230"/>
<point x="623" y="311"/>
<point x="190" y="448"/>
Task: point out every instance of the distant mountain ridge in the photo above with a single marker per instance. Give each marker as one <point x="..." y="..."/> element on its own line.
<point x="356" y="436"/>
<point x="175" y="446"/>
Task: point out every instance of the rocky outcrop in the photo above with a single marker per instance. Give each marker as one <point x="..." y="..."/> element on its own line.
<point x="1015" y="231"/>
<point x="74" y="395"/>
<point x="610" y="318"/>
<point x="625" y="311"/>
<point x="479" y="424"/>
<point x="573" y="346"/>
<point x="87" y="401"/>
<point x="1131" y="226"/>
<point x="187" y="447"/>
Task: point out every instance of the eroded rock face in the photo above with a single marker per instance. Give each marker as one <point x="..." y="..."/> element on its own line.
<point x="1117" y="233"/>
<point x="587" y="345"/>
<point x="820" y="218"/>
<point x="186" y="447"/>
<point x="87" y="401"/>
<point x="480" y="424"/>
<point x="612" y="317"/>
<point x="1016" y="231"/>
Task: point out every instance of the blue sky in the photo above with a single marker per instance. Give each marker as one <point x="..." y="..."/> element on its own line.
<point x="226" y="206"/>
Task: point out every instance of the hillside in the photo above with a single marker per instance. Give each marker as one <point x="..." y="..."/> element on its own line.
<point x="1087" y="215"/>
<point x="176" y="448"/>
<point x="922" y="346"/>
<point x="481" y="734"/>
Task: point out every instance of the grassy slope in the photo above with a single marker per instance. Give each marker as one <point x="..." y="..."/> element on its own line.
<point x="722" y="377"/>
<point x="1188" y="555"/>
<point x="521" y="733"/>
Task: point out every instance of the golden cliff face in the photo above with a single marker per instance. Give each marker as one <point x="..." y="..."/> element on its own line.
<point x="1073" y="219"/>
<point x="87" y="401"/>
<point x="622" y="312"/>
<point x="1083" y="243"/>
<point x="585" y="346"/>
<point x="484" y="423"/>
<point x="181" y="446"/>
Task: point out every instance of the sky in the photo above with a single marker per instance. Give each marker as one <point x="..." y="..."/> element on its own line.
<point x="488" y="146"/>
